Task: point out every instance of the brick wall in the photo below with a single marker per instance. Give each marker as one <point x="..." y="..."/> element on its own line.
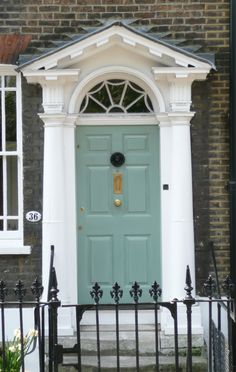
<point x="203" y="22"/>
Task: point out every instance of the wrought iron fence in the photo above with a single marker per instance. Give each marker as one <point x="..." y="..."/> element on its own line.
<point x="52" y="352"/>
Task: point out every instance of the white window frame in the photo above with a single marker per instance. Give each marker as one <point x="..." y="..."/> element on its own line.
<point x="11" y="242"/>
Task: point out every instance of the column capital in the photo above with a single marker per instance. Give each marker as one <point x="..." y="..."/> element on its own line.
<point x="53" y="83"/>
<point x="171" y="119"/>
<point x="58" y="120"/>
<point x="180" y="118"/>
<point x="180" y="94"/>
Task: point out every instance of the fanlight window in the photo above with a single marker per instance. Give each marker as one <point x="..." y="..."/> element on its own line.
<point x="116" y="96"/>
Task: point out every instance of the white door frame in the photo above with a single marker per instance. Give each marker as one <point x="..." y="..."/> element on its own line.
<point x="171" y="98"/>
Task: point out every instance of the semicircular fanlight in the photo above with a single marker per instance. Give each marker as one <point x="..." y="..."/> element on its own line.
<point x="116" y="96"/>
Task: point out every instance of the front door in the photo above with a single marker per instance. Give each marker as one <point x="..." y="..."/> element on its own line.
<point x="118" y="209"/>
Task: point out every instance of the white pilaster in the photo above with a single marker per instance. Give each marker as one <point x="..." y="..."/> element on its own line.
<point x="177" y="217"/>
<point x="181" y="205"/>
<point x="59" y="177"/>
<point x="177" y="205"/>
<point x="53" y="191"/>
<point x="58" y="208"/>
<point x="165" y="175"/>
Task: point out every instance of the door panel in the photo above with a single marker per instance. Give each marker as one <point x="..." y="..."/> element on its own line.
<point x="99" y="176"/>
<point x="100" y="256"/>
<point x="117" y="243"/>
<point x="137" y="253"/>
<point x="137" y="189"/>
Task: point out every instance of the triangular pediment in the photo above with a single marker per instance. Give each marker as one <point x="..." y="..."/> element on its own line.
<point x="115" y="35"/>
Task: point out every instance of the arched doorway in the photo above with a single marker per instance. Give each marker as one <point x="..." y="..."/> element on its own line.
<point x="118" y="191"/>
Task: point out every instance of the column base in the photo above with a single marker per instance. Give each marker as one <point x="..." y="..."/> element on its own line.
<point x="167" y="322"/>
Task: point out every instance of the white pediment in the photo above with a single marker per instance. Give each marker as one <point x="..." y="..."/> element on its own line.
<point x="165" y="72"/>
<point x="116" y="36"/>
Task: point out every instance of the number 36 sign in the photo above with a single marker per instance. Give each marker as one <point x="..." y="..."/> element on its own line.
<point x="33" y="216"/>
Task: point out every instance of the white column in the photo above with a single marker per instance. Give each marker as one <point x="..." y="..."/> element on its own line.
<point x="59" y="214"/>
<point x="53" y="197"/>
<point x="177" y="219"/>
<point x="165" y="175"/>
<point x="181" y="229"/>
<point x="176" y="203"/>
<point x="59" y="226"/>
<point x="70" y="248"/>
<point x="181" y="232"/>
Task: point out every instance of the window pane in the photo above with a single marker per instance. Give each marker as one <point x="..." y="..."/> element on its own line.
<point x="12" y="225"/>
<point x="10" y="81"/>
<point x="131" y="95"/>
<point x="116" y="90"/>
<point x="10" y="103"/>
<point x="138" y="106"/>
<point x="94" y="107"/>
<point x="102" y="97"/>
<point x="12" y="187"/>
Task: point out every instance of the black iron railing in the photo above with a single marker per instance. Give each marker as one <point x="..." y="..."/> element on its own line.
<point x="51" y="270"/>
<point x="155" y="305"/>
<point x="52" y="352"/>
<point x="23" y="342"/>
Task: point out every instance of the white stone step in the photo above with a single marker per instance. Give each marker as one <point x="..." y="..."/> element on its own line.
<point x="127" y="340"/>
<point x="128" y="364"/>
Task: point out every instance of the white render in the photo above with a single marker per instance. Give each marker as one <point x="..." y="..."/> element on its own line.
<point x="66" y="76"/>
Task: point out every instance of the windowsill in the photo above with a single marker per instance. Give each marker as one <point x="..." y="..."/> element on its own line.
<point x="24" y="250"/>
<point x="12" y="243"/>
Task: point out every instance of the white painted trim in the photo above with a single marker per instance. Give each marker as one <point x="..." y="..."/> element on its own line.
<point x="11" y="242"/>
<point x="44" y="76"/>
<point x="115" y="119"/>
<point x="118" y="72"/>
<point x="20" y="153"/>
<point x="171" y="98"/>
<point x="180" y="72"/>
<point x="52" y="73"/>
<point x="8" y="69"/>
<point x="16" y="250"/>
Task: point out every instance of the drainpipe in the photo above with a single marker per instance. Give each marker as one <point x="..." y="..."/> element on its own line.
<point x="232" y="133"/>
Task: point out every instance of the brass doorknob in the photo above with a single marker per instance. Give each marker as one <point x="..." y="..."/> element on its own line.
<point x="117" y="202"/>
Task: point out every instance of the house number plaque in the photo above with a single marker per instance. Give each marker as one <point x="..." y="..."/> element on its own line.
<point x="33" y="216"/>
<point x="117" y="183"/>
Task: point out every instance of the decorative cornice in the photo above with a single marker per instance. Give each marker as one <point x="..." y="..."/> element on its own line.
<point x="46" y="76"/>
<point x="186" y="73"/>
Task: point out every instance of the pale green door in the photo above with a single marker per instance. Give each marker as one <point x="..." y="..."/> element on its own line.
<point x="118" y="243"/>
